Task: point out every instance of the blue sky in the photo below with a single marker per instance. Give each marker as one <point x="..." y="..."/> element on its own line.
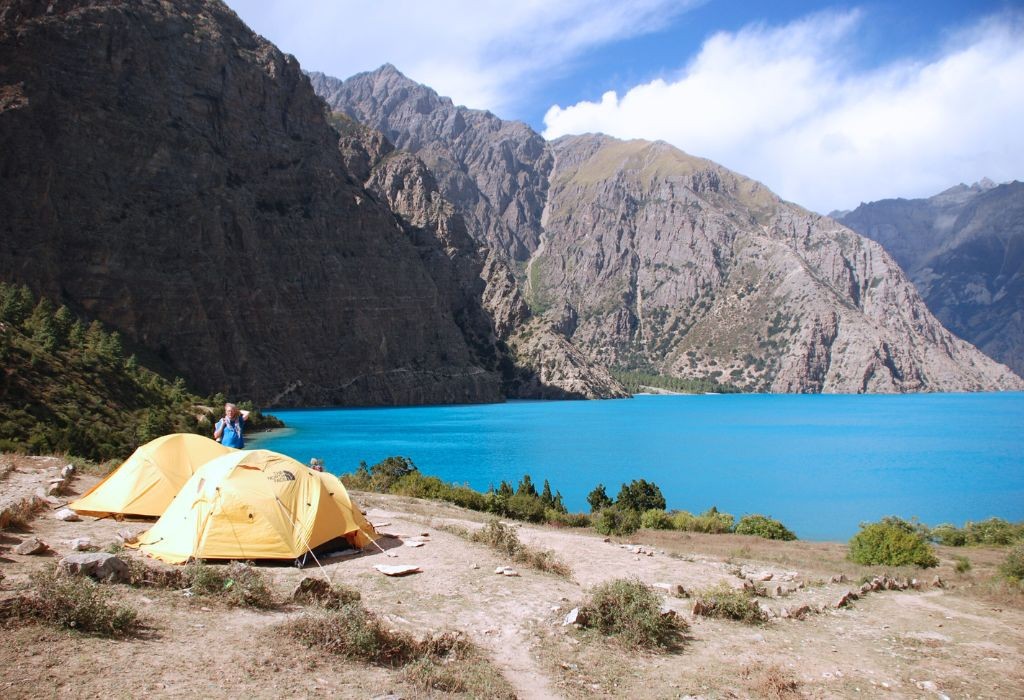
<point x="827" y="104"/>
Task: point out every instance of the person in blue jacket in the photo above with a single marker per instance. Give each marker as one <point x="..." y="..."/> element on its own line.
<point x="230" y="429"/>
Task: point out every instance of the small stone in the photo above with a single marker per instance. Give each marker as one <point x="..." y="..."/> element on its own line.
<point x="127" y="536"/>
<point x="509" y="572"/>
<point x="847" y="598"/>
<point x="866" y="588"/>
<point x="397" y="569"/>
<point x="67" y="515"/>
<point x="765" y="576"/>
<point x="80" y="544"/>
<point x="938" y="583"/>
<point x="312" y="590"/>
<point x="500" y="570"/>
<point x="928" y="685"/>
<point x="574" y="617"/>
<point x="474" y="566"/>
<point x="96" y="565"/>
<point x="67" y="470"/>
<point x="33" y="545"/>
<point x="55" y="488"/>
<point x="413" y="544"/>
<point x="799" y="612"/>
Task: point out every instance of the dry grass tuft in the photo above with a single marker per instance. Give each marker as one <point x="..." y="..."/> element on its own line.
<point x="72" y="602"/>
<point x="629" y="611"/>
<point x="447" y="662"/>
<point x="503" y="539"/>
<point x="727" y="603"/>
<point x="771" y="681"/>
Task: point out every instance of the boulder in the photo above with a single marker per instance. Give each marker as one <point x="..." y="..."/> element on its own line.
<point x="33" y="545"/>
<point x="96" y="565"/>
<point x="67" y="470"/>
<point x="67" y="515"/>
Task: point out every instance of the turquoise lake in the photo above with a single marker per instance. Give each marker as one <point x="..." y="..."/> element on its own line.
<point x="820" y="463"/>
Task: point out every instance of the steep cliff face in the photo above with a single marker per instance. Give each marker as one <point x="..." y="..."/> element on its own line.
<point x="964" y="251"/>
<point x="494" y="171"/>
<point x="649" y="258"/>
<point x="533" y="360"/>
<point x="172" y="174"/>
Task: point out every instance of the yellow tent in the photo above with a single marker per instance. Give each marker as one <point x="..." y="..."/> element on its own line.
<point x="255" y="504"/>
<point x="150" y="479"/>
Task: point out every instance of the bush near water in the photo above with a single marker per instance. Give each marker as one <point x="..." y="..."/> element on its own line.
<point x="639" y="503"/>
<point x="891" y="542"/>
<point x="71" y="387"/>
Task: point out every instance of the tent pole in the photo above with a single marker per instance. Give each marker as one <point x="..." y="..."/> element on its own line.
<point x="305" y="541"/>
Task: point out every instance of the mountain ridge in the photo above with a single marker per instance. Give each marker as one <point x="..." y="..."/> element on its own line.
<point x="964" y="250"/>
<point x="607" y="270"/>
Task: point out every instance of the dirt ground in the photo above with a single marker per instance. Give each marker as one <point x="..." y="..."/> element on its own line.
<point x="964" y="640"/>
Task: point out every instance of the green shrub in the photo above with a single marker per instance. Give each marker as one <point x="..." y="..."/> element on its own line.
<point x="523" y="506"/>
<point x="77" y="603"/>
<point x="891" y="542"/>
<point x="631" y="612"/>
<point x="763" y="526"/>
<point x="598" y="499"/>
<point x="359" y="480"/>
<point x="385" y="473"/>
<point x="994" y="531"/>
<point x="949" y="535"/>
<point x="615" y="521"/>
<point x="963" y="564"/>
<point x="563" y="519"/>
<point x="710" y="521"/>
<point x="655" y="519"/>
<point x="238" y="584"/>
<point x="1012" y="567"/>
<point x="728" y="603"/>
<point x="640" y="495"/>
<point x="682" y="520"/>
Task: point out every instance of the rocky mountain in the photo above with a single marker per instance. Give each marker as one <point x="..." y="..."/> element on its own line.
<point x="964" y="251"/>
<point x="648" y="258"/>
<point x="535" y="361"/>
<point x="167" y="171"/>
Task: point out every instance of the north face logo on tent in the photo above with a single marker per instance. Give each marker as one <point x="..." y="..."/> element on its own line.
<point x="281" y="476"/>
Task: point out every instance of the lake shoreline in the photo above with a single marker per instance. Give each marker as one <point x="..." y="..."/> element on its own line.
<point x="821" y="464"/>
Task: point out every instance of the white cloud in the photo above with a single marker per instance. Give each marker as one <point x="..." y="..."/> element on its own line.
<point x="788" y="106"/>
<point x="484" y="54"/>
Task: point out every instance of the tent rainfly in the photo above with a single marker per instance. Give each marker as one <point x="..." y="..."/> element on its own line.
<point x="255" y="504"/>
<point x="150" y="479"/>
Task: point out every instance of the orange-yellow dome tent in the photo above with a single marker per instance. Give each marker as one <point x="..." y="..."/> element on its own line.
<point x="255" y="504"/>
<point x="150" y="479"/>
